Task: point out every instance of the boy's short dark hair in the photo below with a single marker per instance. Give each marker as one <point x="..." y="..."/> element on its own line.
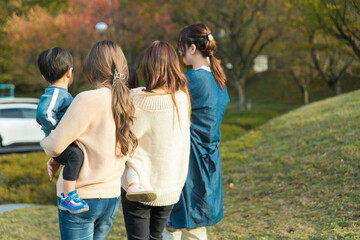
<point x="54" y="63"/>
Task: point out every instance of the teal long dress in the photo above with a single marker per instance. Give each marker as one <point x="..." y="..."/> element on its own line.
<point x="201" y="200"/>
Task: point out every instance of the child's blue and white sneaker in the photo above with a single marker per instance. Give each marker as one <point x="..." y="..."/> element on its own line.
<point x="73" y="203"/>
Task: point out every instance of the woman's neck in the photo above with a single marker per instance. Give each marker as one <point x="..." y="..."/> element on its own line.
<point x="160" y="90"/>
<point x="201" y="61"/>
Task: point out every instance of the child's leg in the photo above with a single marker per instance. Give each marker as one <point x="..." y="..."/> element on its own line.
<point x="71" y="201"/>
<point x="69" y="186"/>
<point x="75" y="159"/>
<point x="135" y="192"/>
<point x="132" y="177"/>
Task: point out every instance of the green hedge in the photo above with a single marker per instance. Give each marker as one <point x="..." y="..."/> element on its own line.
<point x="24" y="179"/>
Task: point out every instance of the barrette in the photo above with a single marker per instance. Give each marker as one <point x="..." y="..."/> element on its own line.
<point x="118" y="76"/>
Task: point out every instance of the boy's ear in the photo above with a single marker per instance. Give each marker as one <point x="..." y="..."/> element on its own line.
<point x="69" y="73"/>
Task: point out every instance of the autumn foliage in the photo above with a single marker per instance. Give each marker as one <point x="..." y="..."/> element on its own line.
<point x="243" y="30"/>
<point x="133" y="25"/>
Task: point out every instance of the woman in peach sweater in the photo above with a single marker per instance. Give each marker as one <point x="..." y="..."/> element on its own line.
<point x="99" y="122"/>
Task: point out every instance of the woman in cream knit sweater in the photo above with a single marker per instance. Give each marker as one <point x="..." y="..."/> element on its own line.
<point x="99" y="122"/>
<point x="162" y="127"/>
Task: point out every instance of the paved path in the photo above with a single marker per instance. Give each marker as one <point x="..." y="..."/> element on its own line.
<point x="10" y="207"/>
<point x="20" y="149"/>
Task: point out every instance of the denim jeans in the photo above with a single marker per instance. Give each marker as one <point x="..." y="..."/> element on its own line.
<point x="93" y="224"/>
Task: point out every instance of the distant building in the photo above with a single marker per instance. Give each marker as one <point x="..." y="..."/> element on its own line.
<point x="261" y="63"/>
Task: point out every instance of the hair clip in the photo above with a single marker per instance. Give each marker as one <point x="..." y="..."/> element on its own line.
<point x="210" y="37"/>
<point x="118" y="76"/>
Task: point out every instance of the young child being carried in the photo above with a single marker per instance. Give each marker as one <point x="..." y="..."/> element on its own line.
<point x="135" y="192"/>
<point x="56" y="67"/>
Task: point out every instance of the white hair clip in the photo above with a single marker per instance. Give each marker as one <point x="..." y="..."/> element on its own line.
<point x="118" y="76"/>
<point x="210" y="37"/>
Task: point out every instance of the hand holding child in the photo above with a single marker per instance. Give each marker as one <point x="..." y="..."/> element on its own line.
<point x="52" y="167"/>
<point x="138" y="89"/>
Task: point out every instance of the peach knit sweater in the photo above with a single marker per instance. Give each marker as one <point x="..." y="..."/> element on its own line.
<point x="90" y="123"/>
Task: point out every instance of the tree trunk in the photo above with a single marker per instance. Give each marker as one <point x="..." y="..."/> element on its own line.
<point x="240" y="98"/>
<point x="335" y="87"/>
<point x="305" y="94"/>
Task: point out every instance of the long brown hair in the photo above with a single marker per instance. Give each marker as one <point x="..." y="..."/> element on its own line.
<point x="99" y="68"/>
<point x="200" y="36"/>
<point x="160" y="68"/>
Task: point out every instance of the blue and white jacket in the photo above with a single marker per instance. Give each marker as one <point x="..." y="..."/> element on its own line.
<point x="52" y="106"/>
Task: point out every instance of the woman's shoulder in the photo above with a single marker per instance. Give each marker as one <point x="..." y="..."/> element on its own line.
<point x="94" y="96"/>
<point x="158" y="102"/>
<point x="198" y="75"/>
<point x="200" y="71"/>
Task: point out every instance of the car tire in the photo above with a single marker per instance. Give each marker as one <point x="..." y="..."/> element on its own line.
<point x="1" y="142"/>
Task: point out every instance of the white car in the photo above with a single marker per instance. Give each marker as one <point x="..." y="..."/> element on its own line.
<point x="18" y="124"/>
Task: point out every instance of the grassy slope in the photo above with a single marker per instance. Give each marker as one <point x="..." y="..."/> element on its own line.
<point x="297" y="177"/>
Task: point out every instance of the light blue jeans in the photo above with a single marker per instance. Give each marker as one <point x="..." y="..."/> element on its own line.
<point x="93" y="224"/>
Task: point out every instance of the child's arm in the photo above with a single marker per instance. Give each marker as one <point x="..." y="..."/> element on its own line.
<point x="76" y="120"/>
<point x="45" y="114"/>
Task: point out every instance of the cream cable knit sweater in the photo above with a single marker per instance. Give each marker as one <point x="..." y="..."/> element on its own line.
<point x="162" y="156"/>
<point x="90" y="122"/>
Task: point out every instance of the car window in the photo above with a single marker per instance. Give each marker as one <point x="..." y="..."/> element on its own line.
<point x="10" y="113"/>
<point x="29" y="113"/>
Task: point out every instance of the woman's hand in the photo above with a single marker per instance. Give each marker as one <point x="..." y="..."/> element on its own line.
<point x="52" y="167"/>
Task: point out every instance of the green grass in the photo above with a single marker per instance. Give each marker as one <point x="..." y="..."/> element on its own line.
<point x="41" y="223"/>
<point x="296" y="177"/>
<point x="237" y="123"/>
<point x="24" y="179"/>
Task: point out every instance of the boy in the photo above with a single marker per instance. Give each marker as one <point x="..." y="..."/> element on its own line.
<point x="56" y="67"/>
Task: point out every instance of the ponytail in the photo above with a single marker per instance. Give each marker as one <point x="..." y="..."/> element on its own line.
<point x="123" y="111"/>
<point x="217" y="71"/>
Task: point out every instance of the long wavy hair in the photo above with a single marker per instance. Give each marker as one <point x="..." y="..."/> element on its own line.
<point x="198" y="34"/>
<point x="99" y="68"/>
<point x="160" y="68"/>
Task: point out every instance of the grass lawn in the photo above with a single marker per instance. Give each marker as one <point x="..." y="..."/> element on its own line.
<point x="296" y="177"/>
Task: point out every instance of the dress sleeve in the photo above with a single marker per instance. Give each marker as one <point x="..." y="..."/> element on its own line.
<point x="76" y="121"/>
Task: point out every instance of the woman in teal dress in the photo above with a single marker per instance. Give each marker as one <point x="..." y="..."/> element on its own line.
<point x="201" y="201"/>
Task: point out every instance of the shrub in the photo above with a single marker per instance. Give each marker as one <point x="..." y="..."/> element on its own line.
<point x="24" y="179"/>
